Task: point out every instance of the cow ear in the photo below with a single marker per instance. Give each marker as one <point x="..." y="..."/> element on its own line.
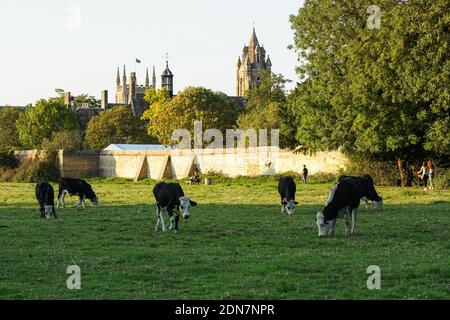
<point x="295" y="202"/>
<point x="193" y="203"/>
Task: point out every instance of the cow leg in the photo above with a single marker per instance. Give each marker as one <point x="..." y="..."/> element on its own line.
<point x="177" y="219"/>
<point x="157" y="219"/>
<point x="80" y="199"/>
<point x="366" y="202"/>
<point x="172" y="223"/>
<point x="54" y="213"/>
<point x="63" y="195"/>
<point x="161" y="217"/>
<point x="283" y="209"/>
<point x="348" y="224"/>
<point x="354" y="215"/>
<point x="82" y="202"/>
<point x="333" y="227"/>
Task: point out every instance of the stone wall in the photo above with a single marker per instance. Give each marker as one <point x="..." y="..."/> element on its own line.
<point x="236" y="162"/>
<point x="163" y="164"/>
<point x="70" y="164"/>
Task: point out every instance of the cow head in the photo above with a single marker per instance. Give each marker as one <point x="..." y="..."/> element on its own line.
<point x="378" y="204"/>
<point x="49" y="212"/>
<point x="185" y="205"/>
<point x="95" y="201"/>
<point x="325" y="227"/>
<point x="90" y="194"/>
<point x="288" y="206"/>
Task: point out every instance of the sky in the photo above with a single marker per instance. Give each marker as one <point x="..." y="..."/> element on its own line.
<point x="77" y="45"/>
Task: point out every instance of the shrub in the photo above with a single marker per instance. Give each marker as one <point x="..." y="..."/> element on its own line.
<point x="442" y="179"/>
<point x="8" y="161"/>
<point x="65" y="140"/>
<point x="384" y="173"/>
<point x="33" y="170"/>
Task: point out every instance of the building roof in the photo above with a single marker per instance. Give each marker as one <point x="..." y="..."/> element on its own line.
<point x="137" y="147"/>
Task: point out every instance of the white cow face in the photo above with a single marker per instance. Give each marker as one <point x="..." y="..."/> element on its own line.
<point x="95" y="201"/>
<point x="48" y="212"/>
<point x="289" y="206"/>
<point x="378" y="204"/>
<point x="325" y="227"/>
<point x="185" y="205"/>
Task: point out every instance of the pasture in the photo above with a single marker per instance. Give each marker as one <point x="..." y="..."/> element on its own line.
<point x="237" y="245"/>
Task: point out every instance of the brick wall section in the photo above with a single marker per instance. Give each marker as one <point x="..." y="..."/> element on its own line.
<point x="79" y="164"/>
<point x="70" y="164"/>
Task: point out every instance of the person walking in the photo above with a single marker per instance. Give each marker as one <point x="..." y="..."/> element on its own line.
<point x="432" y="173"/>
<point x="305" y="174"/>
<point x="424" y="175"/>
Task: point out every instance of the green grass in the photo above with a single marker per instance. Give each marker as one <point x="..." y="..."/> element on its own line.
<point x="237" y="245"/>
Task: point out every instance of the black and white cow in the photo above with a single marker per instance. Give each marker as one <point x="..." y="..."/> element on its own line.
<point x="76" y="187"/>
<point x="170" y="197"/>
<point x="287" y="189"/>
<point x="45" y="195"/>
<point x="343" y="202"/>
<point x="367" y="189"/>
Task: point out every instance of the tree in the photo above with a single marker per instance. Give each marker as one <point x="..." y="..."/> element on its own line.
<point x="90" y="101"/>
<point x="165" y="115"/>
<point x="265" y="103"/>
<point x="117" y="125"/>
<point x="378" y="93"/>
<point x="42" y="120"/>
<point x="65" y="140"/>
<point x="8" y="131"/>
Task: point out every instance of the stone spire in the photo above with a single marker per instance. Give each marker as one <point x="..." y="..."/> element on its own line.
<point x="124" y="77"/>
<point x="118" y="77"/>
<point x="253" y="43"/>
<point x="268" y="62"/>
<point x="154" y="78"/>
<point x="147" y="79"/>
<point x="239" y="63"/>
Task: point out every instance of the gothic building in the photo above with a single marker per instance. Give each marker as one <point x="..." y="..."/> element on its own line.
<point x="129" y="92"/>
<point x="251" y="64"/>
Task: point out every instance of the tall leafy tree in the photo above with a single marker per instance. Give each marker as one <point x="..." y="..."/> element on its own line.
<point x="165" y="115"/>
<point x="8" y="131"/>
<point x="375" y="92"/>
<point x="117" y="125"/>
<point x="42" y="120"/>
<point x="266" y="104"/>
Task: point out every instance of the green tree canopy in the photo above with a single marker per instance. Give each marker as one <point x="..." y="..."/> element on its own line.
<point x="379" y="92"/>
<point x="42" y="120"/>
<point x="8" y="131"/>
<point x="165" y="115"/>
<point x="265" y="103"/>
<point x="116" y="125"/>
<point x="65" y="140"/>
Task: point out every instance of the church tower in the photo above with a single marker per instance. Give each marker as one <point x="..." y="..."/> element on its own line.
<point x="249" y="68"/>
<point x="167" y="79"/>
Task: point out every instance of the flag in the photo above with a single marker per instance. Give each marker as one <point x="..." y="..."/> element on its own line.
<point x="138" y="61"/>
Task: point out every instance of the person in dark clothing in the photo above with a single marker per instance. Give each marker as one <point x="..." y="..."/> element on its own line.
<point x="305" y="174"/>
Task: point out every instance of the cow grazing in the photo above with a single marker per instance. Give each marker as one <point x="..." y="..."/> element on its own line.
<point x="170" y="197"/>
<point x="45" y="195"/>
<point x="343" y="202"/>
<point x="287" y="189"/>
<point x="367" y="189"/>
<point x="76" y="187"/>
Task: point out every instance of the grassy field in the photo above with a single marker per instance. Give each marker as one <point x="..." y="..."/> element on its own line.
<point x="237" y="245"/>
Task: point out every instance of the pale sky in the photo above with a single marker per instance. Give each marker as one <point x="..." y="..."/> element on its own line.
<point x="43" y="47"/>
